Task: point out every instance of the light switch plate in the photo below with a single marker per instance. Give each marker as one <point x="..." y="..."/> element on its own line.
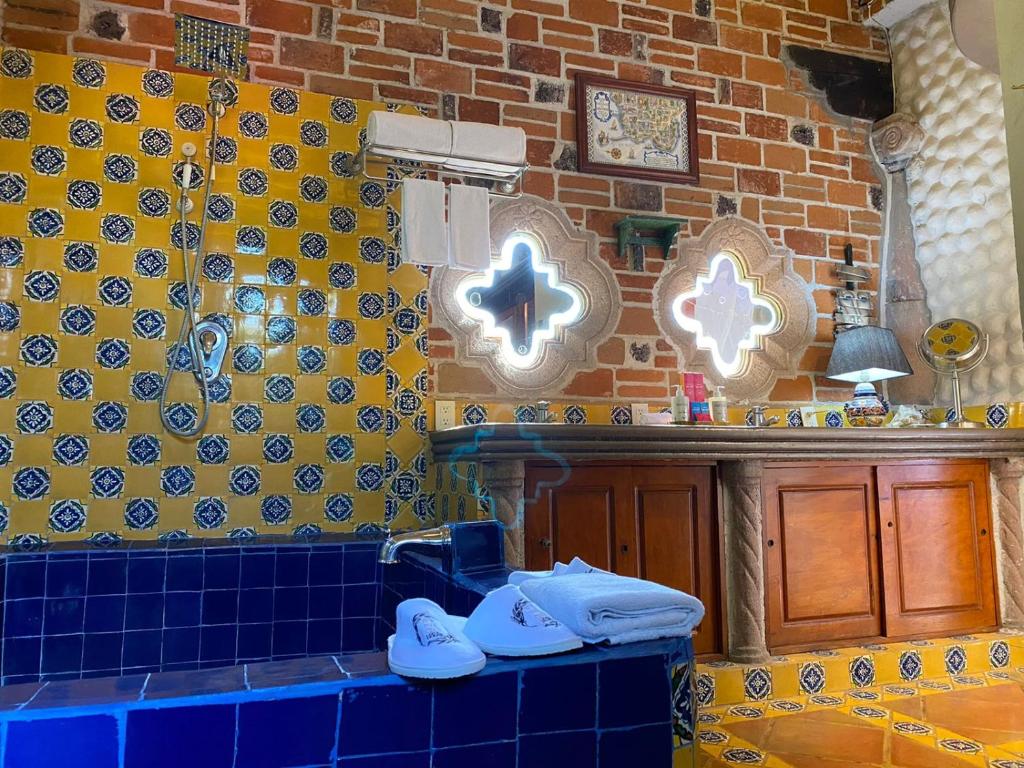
<point x="639" y="412"/>
<point x="444" y="414"/>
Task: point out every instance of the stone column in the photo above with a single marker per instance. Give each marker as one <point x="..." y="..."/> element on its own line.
<point x="744" y="561"/>
<point x="505" y="483"/>
<point x="1006" y="502"/>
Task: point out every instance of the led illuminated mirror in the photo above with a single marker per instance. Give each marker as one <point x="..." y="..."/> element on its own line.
<point x="520" y="301"/>
<point x="726" y="313"/>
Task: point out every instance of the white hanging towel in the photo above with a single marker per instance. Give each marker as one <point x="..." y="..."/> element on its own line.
<point x="469" y="228"/>
<point x="409" y="136"/>
<point x="424" y="235"/>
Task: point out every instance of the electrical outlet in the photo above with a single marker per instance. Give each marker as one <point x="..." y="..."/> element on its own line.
<point x="444" y="414"/>
<point x="639" y="412"/>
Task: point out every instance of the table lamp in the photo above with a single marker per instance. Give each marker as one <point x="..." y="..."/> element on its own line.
<point x="864" y="355"/>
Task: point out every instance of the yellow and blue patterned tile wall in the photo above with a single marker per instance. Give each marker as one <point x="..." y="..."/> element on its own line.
<point x="318" y="422"/>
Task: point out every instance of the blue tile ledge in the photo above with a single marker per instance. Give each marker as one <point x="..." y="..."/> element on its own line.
<point x="295" y="678"/>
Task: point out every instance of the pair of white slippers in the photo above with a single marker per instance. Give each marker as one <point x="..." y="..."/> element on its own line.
<point x="430" y="644"/>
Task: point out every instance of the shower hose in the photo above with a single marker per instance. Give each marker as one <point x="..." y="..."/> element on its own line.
<point x="188" y="332"/>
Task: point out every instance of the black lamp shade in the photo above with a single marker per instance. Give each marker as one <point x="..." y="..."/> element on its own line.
<point x="867" y="353"/>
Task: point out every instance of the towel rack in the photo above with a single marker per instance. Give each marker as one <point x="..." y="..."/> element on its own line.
<point x="508" y="178"/>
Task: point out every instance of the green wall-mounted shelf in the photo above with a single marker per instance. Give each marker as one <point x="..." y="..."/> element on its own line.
<point x="638" y="232"/>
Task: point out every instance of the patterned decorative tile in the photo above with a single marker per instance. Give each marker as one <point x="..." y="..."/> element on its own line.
<point x="114" y="289"/>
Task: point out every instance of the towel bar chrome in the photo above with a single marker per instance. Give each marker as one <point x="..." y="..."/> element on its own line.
<point x="507" y="179"/>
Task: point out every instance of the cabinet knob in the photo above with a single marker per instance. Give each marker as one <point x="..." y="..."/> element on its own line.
<point x="889" y="524"/>
<point x="771" y="542"/>
<point x="546" y="543"/>
<point x="984" y="531"/>
<point x="624" y="548"/>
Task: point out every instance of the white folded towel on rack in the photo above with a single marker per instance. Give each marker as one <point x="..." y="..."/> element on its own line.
<point x="409" y="136"/>
<point x="424" y="233"/>
<point x="494" y="144"/>
<point x="604" y="607"/>
<point x="469" y="228"/>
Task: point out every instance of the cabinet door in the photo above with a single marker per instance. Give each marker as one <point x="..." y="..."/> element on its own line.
<point x="674" y="525"/>
<point x="821" y="554"/>
<point x="572" y="512"/>
<point x="936" y="547"/>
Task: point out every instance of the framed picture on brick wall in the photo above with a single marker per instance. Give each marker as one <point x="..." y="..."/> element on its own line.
<point x="639" y="130"/>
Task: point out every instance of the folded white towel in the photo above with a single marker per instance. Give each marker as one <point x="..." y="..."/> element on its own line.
<point x="469" y="228"/>
<point x="415" y="137"/>
<point x="518" y="577"/>
<point x="424" y="232"/>
<point x="603" y="607"/>
<point x="576" y="565"/>
<point x="491" y="143"/>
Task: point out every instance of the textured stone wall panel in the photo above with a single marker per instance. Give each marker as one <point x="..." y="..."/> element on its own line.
<point x="959" y="192"/>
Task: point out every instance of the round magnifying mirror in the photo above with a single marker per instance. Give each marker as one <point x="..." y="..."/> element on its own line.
<point x="951" y="348"/>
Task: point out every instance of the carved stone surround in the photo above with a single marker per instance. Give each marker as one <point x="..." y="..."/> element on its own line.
<point x="574" y="348"/>
<point x="771" y="268"/>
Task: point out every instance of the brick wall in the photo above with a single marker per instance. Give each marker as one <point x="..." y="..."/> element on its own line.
<point x="770" y="151"/>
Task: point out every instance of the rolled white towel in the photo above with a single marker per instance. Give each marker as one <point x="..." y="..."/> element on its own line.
<point x="484" y="143"/>
<point x="415" y="137"/>
<point x="604" y="607"/>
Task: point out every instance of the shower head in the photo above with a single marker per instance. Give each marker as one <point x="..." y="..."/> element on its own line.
<point x="211" y="46"/>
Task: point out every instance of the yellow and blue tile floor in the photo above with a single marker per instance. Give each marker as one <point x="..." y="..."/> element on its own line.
<point x="954" y="702"/>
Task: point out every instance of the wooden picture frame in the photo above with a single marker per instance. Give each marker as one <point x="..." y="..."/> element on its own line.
<point x="678" y="163"/>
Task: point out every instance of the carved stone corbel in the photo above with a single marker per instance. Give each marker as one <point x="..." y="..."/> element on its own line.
<point x="1006" y="479"/>
<point x="505" y="482"/>
<point x="897" y="139"/>
<point x="744" y="561"/>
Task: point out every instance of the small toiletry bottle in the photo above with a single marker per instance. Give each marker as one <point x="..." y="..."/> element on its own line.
<point x="680" y="406"/>
<point x="719" y="407"/>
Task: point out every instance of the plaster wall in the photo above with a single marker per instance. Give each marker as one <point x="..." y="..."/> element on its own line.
<point x="959" y="194"/>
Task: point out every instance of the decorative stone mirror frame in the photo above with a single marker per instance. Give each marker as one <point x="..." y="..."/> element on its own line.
<point x="770" y="268"/>
<point x="574" y="254"/>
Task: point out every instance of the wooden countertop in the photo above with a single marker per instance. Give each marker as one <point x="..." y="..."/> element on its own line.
<point x="496" y="442"/>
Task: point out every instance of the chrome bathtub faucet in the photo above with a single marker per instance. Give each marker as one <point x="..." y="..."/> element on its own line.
<point x="440" y="537"/>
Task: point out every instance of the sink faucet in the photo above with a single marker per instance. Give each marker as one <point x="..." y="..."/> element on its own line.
<point x="544" y="415"/>
<point x="756" y="417"/>
<point x="440" y="537"/>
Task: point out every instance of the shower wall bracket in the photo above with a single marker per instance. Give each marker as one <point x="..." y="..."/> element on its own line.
<point x="213" y="342"/>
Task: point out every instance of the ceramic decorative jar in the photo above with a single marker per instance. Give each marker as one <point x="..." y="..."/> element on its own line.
<point x="866" y="409"/>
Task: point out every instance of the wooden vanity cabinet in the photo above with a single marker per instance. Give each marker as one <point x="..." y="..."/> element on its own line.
<point x="653" y="521"/>
<point x="866" y="551"/>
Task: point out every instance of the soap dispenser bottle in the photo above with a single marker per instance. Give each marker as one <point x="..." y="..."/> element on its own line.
<point x="680" y="407"/>
<point x="719" y="406"/>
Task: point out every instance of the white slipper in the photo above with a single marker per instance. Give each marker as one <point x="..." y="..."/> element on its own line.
<point x="428" y="644"/>
<point x="507" y="623"/>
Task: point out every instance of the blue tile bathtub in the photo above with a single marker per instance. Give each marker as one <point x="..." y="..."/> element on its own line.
<point x="269" y="655"/>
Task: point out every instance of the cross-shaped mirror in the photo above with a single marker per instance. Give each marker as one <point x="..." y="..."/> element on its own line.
<point x="520" y="300"/>
<point x="726" y="313"/>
